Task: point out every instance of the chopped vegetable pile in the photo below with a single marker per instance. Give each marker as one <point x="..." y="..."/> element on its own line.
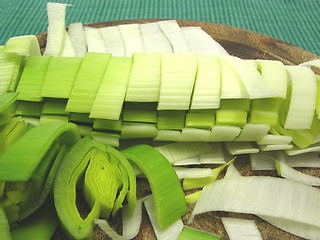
<point x="103" y="107"/>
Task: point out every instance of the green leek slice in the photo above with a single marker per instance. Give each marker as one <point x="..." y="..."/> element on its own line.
<point x="8" y="61"/>
<point x="4" y="225"/>
<point x="194" y="134"/>
<point x="178" y="72"/>
<point x="31" y="109"/>
<point x="27" y="45"/>
<point x="253" y="132"/>
<point x="224" y="133"/>
<point x="23" y="157"/>
<point x="60" y="76"/>
<point x="107" y="124"/>
<point x="168" y="135"/>
<point x="81" y="118"/>
<point x="107" y="138"/>
<point x="171" y="232"/>
<point x="189" y="233"/>
<point x="111" y="94"/>
<point x="203" y="119"/>
<point x="69" y="176"/>
<point x="171" y="120"/>
<point x="52" y="106"/>
<point x="83" y="93"/>
<point x="264" y="111"/>
<point x="168" y="196"/>
<point x="32" y="77"/>
<point x="52" y="119"/>
<point x="144" y="83"/>
<point x="140" y="112"/>
<point x="131" y="130"/>
<point x="206" y="92"/>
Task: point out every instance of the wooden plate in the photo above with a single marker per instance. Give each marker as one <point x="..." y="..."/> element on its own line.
<point x="238" y="42"/>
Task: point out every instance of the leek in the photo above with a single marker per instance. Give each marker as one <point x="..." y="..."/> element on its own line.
<point x="241" y="229"/>
<point x="94" y="40"/>
<point x="23" y="45"/>
<point x="113" y="40"/>
<point x="77" y="37"/>
<point x="132" y="38"/>
<point x="168" y="196"/>
<point x="4" y="225"/>
<point x="73" y="169"/>
<point x="67" y="48"/>
<point x="189" y="233"/>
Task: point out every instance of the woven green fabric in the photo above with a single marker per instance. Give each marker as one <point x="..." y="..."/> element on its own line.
<point x="293" y="21"/>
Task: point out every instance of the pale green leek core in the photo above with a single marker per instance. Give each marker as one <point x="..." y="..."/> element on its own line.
<point x="23" y="45"/>
<point x="76" y="164"/>
<point x="168" y="195"/>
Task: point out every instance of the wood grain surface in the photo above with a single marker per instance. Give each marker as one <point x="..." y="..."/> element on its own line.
<point x="238" y="42"/>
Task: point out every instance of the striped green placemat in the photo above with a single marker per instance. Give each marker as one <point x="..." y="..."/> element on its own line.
<point x="293" y="21"/>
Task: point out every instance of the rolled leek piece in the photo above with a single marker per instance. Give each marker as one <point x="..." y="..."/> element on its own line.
<point x="107" y="178"/>
<point x="29" y="167"/>
<point x="167" y="194"/>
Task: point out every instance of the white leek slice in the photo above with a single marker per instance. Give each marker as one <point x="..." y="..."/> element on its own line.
<point x="214" y="156"/>
<point x="231" y="84"/>
<point x="253" y="81"/>
<point x="178" y="72"/>
<point x="312" y="63"/>
<point x="200" y="42"/>
<point x="279" y="199"/>
<point x="194" y="135"/>
<point x="241" y="229"/>
<point x="78" y="39"/>
<point x="131" y="35"/>
<point x="67" y="48"/>
<point x="179" y="151"/>
<point x="284" y="170"/>
<point x="193" y="172"/>
<point x="303" y="98"/>
<point x="131" y="224"/>
<point x="173" y="32"/>
<point x="274" y="147"/>
<point x="113" y="40"/>
<point x="56" y="28"/>
<point x="94" y="40"/>
<point x="188" y="162"/>
<point x="296" y="150"/>
<point x="170" y="233"/>
<point x="144" y="82"/>
<point x="235" y="148"/>
<point x="224" y="133"/>
<point x="262" y="161"/>
<point x="274" y="139"/>
<point x="253" y="132"/>
<point x="232" y="172"/>
<point x="154" y="39"/>
<point x="168" y="135"/>
<point x="206" y="91"/>
<point x="275" y="74"/>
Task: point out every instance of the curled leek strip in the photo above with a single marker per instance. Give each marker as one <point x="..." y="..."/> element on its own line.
<point x="34" y="159"/>
<point x="108" y="179"/>
<point x="168" y="195"/>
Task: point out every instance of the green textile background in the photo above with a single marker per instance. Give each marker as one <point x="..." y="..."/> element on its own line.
<point x="293" y="21"/>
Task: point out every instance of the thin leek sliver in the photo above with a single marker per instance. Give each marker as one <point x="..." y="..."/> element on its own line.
<point x="168" y="196"/>
<point x="4" y="225"/>
<point x="76" y="35"/>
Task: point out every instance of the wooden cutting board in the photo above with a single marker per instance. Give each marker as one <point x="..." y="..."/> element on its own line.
<point x="244" y="44"/>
